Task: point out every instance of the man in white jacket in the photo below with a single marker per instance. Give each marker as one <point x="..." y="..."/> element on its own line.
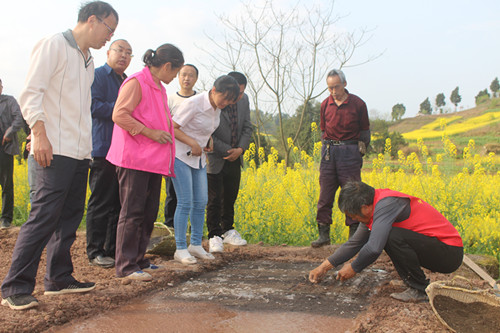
<point x="56" y="105"/>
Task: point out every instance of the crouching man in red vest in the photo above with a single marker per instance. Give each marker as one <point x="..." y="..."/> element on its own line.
<point x="412" y="232"/>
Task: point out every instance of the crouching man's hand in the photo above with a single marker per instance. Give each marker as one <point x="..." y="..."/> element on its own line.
<point x="346" y="273"/>
<point x="317" y="274"/>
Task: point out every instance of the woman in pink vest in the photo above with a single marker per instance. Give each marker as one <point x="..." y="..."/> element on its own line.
<point x="143" y="150"/>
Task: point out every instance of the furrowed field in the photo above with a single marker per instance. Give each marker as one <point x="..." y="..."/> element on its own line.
<point x="277" y="204"/>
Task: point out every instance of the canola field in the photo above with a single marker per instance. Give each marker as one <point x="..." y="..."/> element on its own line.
<point x="277" y="204"/>
<point x="453" y="125"/>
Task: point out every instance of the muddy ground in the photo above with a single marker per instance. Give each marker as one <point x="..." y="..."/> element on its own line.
<point x="370" y="307"/>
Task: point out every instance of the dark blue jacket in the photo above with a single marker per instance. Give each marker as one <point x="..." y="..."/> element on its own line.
<point x="104" y="93"/>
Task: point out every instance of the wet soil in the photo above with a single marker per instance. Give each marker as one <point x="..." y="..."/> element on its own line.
<point x="468" y="317"/>
<point x="247" y="296"/>
<point x="272" y="294"/>
<point x="267" y="285"/>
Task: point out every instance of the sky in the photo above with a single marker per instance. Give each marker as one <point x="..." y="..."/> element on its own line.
<point x="425" y="47"/>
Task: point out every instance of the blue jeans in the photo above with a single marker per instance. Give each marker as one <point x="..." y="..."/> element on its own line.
<point x="192" y="195"/>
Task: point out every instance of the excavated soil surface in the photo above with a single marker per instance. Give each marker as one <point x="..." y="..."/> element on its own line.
<point x="246" y="289"/>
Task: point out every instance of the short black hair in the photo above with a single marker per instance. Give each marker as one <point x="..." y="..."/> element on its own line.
<point x="240" y="78"/>
<point x="191" y="65"/>
<point x="100" y="9"/>
<point x="353" y="195"/>
<point x="228" y="86"/>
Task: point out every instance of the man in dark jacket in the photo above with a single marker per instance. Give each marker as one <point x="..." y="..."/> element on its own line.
<point x="11" y="121"/>
<point x="104" y="202"/>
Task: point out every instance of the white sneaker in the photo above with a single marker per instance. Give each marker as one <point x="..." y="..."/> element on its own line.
<point x="199" y="252"/>
<point x="140" y="276"/>
<point x="215" y="244"/>
<point x="233" y="237"/>
<point x="184" y="257"/>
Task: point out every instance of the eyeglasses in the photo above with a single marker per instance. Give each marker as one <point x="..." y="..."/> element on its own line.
<point x="111" y="31"/>
<point x="122" y="51"/>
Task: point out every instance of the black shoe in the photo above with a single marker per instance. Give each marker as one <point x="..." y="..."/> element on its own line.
<point x="411" y="295"/>
<point x="74" y="287"/>
<point x="5" y="224"/>
<point x="20" y="302"/>
<point x="324" y="236"/>
<point x="102" y="261"/>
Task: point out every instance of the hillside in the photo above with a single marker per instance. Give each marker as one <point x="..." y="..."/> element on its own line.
<point x="410" y="124"/>
<point x="481" y="123"/>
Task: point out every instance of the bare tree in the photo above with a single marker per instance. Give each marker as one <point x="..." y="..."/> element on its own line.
<point x="285" y="54"/>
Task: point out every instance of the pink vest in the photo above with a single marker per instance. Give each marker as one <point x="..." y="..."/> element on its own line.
<point x="424" y="219"/>
<point x="139" y="152"/>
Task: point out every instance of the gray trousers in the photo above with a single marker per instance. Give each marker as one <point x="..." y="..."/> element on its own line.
<point x="56" y="211"/>
<point x="343" y="165"/>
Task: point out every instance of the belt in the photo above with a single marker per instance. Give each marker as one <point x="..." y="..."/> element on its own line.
<point x="340" y="143"/>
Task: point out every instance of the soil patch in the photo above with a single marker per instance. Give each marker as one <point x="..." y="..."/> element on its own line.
<point x="468" y="317"/>
<point x="382" y="315"/>
<point x="267" y="285"/>
<point x="248" y="296"/>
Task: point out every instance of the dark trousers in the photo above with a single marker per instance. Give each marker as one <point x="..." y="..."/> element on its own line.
<point x="103" y="209"/>
<point x="140" y="198"/>
<point x="6" y="174"/>
<point x="222" y="193"/>
<point x="410" y="250"/>
<point x="343" y="165"/>
<point x="170" y="202"/>
<point x="56" y="212"/>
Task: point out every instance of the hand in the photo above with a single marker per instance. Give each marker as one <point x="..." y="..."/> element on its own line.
<point x="234" y="153"/>
<point x="210" y="146"/>
<point x="346" y="273"/>
<point x="317" y="274"/>
<point x="196" y="150"/>
<point x="5" y="140"/>
<point x="362" y="148"/>
<point x="28" y="142"/>
<point x="160" y="136"/>
<point x="42" y="149"/>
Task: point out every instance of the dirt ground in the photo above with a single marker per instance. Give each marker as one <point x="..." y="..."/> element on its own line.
<point x="380" y="313"/>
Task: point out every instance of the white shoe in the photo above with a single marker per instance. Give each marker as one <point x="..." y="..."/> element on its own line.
<point x="233" y="237"/>
<point x="184" y="257"/>
<point x="215" y="244"/>
<point x="140" y="276"/>
<point x="199" y="252"/>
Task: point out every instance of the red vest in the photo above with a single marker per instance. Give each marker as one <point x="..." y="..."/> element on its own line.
<point x="424" y="219"/>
